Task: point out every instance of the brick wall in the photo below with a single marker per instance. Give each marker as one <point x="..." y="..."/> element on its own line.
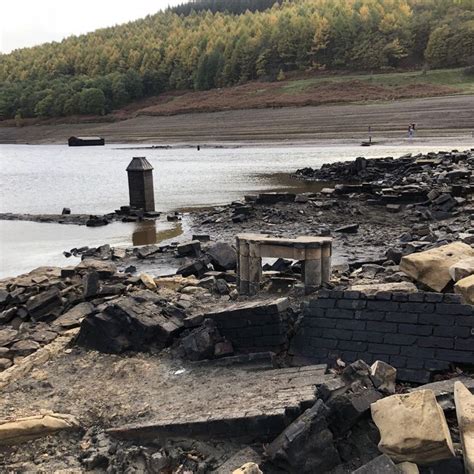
<point x="419" y="333"/>
<point x="257" y="326"/>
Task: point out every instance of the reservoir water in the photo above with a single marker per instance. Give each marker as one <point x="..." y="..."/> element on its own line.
<point x="41" y="179"/>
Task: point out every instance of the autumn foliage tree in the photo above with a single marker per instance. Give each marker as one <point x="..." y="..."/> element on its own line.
<point x="217" y="43"/>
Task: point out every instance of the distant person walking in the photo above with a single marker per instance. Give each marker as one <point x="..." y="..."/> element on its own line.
<point x="410" y="131"/>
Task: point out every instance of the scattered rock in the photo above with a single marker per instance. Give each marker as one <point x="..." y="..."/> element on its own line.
<point x="382" y="464"/>
<point x="464" y="401"/>
<point x="192" y="248"/>
<point x="431" y="267"/>
<point x="413" y="428"/>
<point x="248" y="468"/>
<point x="383" y="377"/>
<point x="90" y="282"/>
<point x="465" y="288"/>
<point x="74" y="316"/>
<point x="148" y="281"/>
<point x="462" y="269"/>
<point x="41" y="305"/>
<point x="222" y="256"/>
<point x="348" y="229"/>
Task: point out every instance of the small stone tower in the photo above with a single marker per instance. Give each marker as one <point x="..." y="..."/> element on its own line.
<point x="140" y="184"/>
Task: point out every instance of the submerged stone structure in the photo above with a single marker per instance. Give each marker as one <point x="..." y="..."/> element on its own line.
<point x="140" y="184"/>
<point x="315" y="252"/>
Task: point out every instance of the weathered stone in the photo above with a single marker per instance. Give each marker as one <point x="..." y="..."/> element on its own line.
<point x="465" y="288"/>
<point x="24" y="347"/>
<point x="209" y="283"/>
<point x="462" y="269"/>
<point x="248" y="468"/>
<point x="197" y="268"/>
<point x="243" y="456"/>
<point x="413" y="428"/>
<point x="5" y="364"/>
<point x="381" y="464"/>
<point x="148" y="281"/>
<point x="128" y="324"/>
<point x="431" y="267"/>
<point x="199" y="344"/>
<point x="222" y="256"/>
<point x="306" y="446"/>
<point x="348" y="229"/>
<point x="383" y="376"/>
<point x="105" y="269"/>
<point x="192" y="248"/>
<point x="7" y="315"/>
<point x="32" y="427"/>
<point x="41" y="305"/>
<point x="7" y="336"/>
<point x="464" y="401"/>
<point x="90" y="283"/>
<point x="74" y="316"/>
<point x="4" y="296"/>
<point x="374" y="288"/>
<point x="408" y="468"/>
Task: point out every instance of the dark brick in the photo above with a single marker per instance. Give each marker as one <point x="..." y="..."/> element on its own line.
<point x="383" y="295"/>
<point x="366" y="357"/>
<point x="384" y="349"/>
<point x="367" y="336"/>
<point x="418" y="307"/>
<point x="415" y="329"/>
<point x="463" y="357"/>
<point x="433" y="297"/>
<point x="464" y="321"/>
<point x="352" y="346"/>
<point x="250" y="331"/>
<point x="370" y="315"/>
<point x="351" y="304"/>
<point x="453" y="331"/>
<point x="417" y="297"/>
<point x="338" y="334"/>
<point x="465" y="344"/>
<point x="271" y="340"/>
<point x="398" y="361"/>
<point x="446" y="308"/>
<point x="351" y="295"/>
<point x="436" y="342"/>
<point x="413" y="375"/>
<point x="321" y="322"/>
<point x="381" y="326"/>
<point x="436" y="319"/>
<point x="324" y="303"/>
<point x="400" y="297"/>
<point x="340" y="313"/>
<point x="354" y="325"/>
<point x="383" y="357"/>
<point x="383" y="305"/>
<point x="414" y="351"/>
<point x="323" y="343"/>
<point x="335" y="294"/>
<point x="349" y="356"/>
<point x="310" y="332"/>
<point x="414" y="363"/>
<point x="400" y="339"/>
<point x="452" y="298"/>
<point x="402" y="317"/>
<point x="323" y="293"/>
<point x="436" y="365"/>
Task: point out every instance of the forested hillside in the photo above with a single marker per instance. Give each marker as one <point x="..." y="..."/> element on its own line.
<point x="203" y="48"/>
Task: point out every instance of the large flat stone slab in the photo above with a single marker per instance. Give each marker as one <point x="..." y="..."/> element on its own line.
<point x="247" y="405"/>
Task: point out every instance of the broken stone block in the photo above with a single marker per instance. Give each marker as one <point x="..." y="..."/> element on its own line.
<point x="32" y="427"/>
<point x="462" y="269"/>
<point x="147" y="251"/>
<point x="431" y="267"/>
<point x="306" y="445"/>
<point x="90" y="283"/>
<point x="128" y="324"/>
<point x="5" y="364"/>
<point x="243" y="456"/>
<point x="383" y="376"/>
<point x="197" y="268"/>
<point x="464" y="401"/>
<point x="222" y="256"/>
<point x="41" y="305"/>
<point x="24" y="348"/>
<point x="74" y="316"/>
<point x="200" y="343"/>
<point x="408" y="468"/>
<point x="381" y="464"/>
<point x="348" y="229"/>
<point x="465" y="288"/>
<point x="192" y="248"/>
<point x="105" y="269"/>
<point x="374" y="288"/>
<point x="413" y="428"/>
<point x="148" y="281"/>
<point x="248" y="468"/>
<point x="7" y="336"/>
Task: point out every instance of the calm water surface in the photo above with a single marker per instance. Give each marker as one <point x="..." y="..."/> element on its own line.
<point x="45" y="178"/>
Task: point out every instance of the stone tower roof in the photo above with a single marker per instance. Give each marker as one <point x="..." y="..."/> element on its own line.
<point x="139" y="164"/>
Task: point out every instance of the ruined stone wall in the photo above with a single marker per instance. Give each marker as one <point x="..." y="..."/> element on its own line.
<point x="418" y="333"/>
<point x="256" y="326"/>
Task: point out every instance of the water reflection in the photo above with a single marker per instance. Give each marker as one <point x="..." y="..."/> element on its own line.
<point x="145" y="233"/>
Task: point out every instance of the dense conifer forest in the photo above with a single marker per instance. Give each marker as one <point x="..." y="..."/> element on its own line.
<point x="217" y="43"/>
